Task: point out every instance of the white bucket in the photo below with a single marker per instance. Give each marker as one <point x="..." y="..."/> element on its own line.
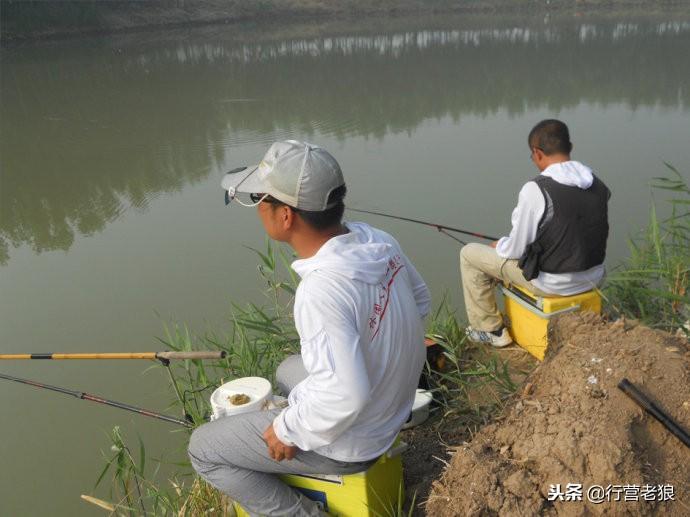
<point x="257" y="389"/>
<point x="420" y="409"/>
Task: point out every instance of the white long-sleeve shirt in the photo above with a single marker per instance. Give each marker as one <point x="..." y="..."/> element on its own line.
<point x="358" y="311"/>
<point x="525" y="222"/>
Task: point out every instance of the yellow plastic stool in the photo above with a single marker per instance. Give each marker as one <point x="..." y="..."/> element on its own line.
<point x="374" y="492"/>
<point x="529" y="314"/>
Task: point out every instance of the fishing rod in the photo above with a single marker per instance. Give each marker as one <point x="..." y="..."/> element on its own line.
<point x="164" y="357"/>
<point x="94" y="398"/>
<point x="439" y="227"/>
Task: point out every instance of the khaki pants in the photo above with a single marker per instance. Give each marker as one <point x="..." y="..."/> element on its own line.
<point x="481" y="270"/>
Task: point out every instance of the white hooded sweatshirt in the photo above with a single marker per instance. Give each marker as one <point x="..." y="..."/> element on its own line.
<point x="525" y="221"/>
<point x="358" y="311"/>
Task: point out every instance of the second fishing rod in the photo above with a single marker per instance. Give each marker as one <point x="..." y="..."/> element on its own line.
<point x="82" y="395"/>
<point x="439" y="227"/>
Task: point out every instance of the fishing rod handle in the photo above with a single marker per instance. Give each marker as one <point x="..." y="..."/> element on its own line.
<point x="220" y="354"/>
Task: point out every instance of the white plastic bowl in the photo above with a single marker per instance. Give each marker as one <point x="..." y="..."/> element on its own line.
<point x="257" y="389"/>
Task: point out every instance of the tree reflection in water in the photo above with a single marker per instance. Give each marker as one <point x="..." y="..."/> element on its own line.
<point x="91" y="129"/>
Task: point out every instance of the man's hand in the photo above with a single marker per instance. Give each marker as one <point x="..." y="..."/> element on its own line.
<point x="277" y="449"/>
<point x="494" y="244"/>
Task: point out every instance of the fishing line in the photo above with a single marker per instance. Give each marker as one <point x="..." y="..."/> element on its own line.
<point x="444" y="232"/>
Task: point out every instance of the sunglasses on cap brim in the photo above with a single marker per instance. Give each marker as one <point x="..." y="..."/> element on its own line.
<point x="255" y="197"/>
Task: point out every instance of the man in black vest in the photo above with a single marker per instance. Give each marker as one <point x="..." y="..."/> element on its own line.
<point x="557" y="243"/>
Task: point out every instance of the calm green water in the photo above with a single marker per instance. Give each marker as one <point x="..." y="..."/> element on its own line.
<point x="112" y="149"/>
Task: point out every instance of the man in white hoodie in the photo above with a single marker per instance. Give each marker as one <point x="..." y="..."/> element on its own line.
<point x="358" y="310"/>
<point x="557" y="243"/>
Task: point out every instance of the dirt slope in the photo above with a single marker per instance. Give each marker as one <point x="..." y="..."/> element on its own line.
<point x="572" y="425"/>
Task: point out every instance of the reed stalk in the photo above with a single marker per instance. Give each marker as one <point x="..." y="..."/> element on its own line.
<point x="652" y="284"/>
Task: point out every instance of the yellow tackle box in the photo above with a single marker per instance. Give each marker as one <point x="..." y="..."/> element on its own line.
<point x="529" y="314"/>
<point x="374" y="492"/>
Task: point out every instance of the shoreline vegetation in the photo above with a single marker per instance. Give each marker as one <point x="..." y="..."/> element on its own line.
<point x="22" y="20"/>
<point x="472" y="386"/>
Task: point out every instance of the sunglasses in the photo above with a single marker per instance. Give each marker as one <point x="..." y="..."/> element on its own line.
<point x="259" y="197"/>
<point x="255" y="197"/>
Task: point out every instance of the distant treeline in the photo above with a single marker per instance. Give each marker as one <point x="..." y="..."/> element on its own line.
<point x="90" y="130"/>
<point x="21" y="19"/>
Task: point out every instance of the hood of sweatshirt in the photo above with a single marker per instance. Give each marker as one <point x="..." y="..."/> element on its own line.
<point x="571" y="173"/>
<point x="357" y="255"/>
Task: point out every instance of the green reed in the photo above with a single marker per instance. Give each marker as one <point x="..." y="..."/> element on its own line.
<point x="652" y="284"/>
<point x="474" y="382"/>
<point x="260" y="337"/>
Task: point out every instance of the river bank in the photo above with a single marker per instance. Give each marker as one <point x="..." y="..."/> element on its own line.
<point x="569" y="426"/>
<point x="31" y="20"/>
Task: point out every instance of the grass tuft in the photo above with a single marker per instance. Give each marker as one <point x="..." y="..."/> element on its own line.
<point x="652" y="284"/>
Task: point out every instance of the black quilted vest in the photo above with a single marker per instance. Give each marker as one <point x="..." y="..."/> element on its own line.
<point x="572" y="232"/>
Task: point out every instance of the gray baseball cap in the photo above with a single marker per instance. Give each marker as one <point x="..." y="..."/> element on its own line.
<point x="299" y="174"/>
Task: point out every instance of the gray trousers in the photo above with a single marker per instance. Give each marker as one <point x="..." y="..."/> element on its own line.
<point x="231" y="455"/>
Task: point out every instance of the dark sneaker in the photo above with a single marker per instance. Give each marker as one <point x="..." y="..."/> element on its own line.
<point x="480" y="336"/>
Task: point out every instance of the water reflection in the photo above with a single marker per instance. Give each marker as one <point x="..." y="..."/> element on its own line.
<point x="89" y="132"/>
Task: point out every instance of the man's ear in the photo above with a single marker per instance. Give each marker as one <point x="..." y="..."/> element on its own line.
<point x="287" y="217"/>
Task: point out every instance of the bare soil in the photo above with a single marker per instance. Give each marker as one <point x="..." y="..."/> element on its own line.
<point x="430" y="445"/>
<point x="425" y="458"/>
<point x="570" y="423"/>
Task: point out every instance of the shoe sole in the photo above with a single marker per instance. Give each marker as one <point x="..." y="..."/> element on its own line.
<point x="491" y="343"/>
<point x="501" y="345"/>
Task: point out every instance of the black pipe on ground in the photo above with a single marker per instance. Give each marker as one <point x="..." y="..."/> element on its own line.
<point x="650" y="407"/>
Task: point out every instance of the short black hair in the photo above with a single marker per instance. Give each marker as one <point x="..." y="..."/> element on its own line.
<point x="551" y="136"/>
<point x="326" y="218"/>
